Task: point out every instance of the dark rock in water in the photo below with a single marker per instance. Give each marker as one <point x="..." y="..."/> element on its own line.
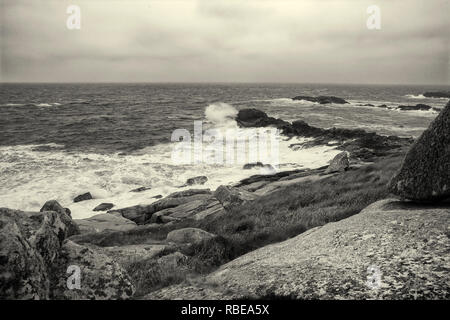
<point x="425" y="172"/>
<point x="53" y="205"/>
<point x="258" y="164"/>
<point x="157" y="196"/>
<point x="339" y="163"/>
<point x="196" y="180"/>
<point x="140" y="189"/>
<point x="189" y="192"/>
<point x="437" y="94"/>
<point x="83" y="197"/>
<point x="366" y="105"/>
<point x="257" y="118"/>
<point x="420" y="106"/>
<point x="321" y="99"/>
<point x="231" y="197"/>
<point x="104" y="207"/>
<point x="383" y="106"/>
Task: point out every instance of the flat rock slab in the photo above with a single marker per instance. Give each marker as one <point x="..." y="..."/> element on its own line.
<point x="105" y="221"/>
<point x="391" y="250"/>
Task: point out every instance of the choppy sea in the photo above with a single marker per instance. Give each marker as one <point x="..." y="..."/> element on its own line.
<point x="60" y="140"/>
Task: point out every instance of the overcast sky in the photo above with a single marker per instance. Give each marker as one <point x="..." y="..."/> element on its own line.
<point x="226" y="41"/>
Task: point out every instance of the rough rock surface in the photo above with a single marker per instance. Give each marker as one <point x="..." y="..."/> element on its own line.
<point x="105" y="221"/>
<point x="101" y="277"/>
<point x="83" y="197"/>
<point x="173" y="260"/>
<point x="188" y="235"/>
<point x="231" y="197"/>
<point x="53" y="205"/>
<point x="339" y="163"/>
<point x="391" y="250"/>
<point x="425" y="172"/>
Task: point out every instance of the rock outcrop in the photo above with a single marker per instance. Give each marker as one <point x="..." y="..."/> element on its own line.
<point x="321" y="99"/>
<point x="420" y="106"/>
<point x="390" y="250"/>
<point x="339" y="163"/>
<point x="425" y="172"/>
<point x="256" y="118"/>
<point x="34" y="257"/>
<point x="437" y="94"/>
<point x="53" y="205"/>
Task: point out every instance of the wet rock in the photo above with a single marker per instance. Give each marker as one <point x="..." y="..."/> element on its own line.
<point x="321" y="99"/>
<point x="53" y="205"/>
<point x="83" y="197"/>
<point x="420" y="106"/>
<point x="104" y="207"/>
<point x="231" y="197"/>
<point x="425" y="172"/>
<point x="257" y="118"/>
<point x="140" y="189"/>
<point x="196" y="180"/>
<point x="157" y="196"/>
<point x="339" y="163"/>
<point x="258" y="164"/>
<point x="188" y="235"/>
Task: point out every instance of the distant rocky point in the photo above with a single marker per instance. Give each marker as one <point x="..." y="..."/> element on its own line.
<point x="437" y="94"/>
<point x="321" y="99"/>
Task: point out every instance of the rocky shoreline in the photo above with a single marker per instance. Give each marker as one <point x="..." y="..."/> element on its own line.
<point x="113" y="248"/>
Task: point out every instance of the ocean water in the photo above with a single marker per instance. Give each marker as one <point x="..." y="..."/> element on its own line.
<point x="61" y="140"/>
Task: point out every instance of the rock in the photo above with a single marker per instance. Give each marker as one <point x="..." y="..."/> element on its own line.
<point x="420" y="106"/>
<point x="321" y="99"/>
<point x="390" y="250"/>
<point x="172" y="260"/>
<point x="188" y="235"/>
<point x="231" y="197"/>
<point x="438" y="94"/>
<point x="142" y="214"/>
<point x="425" y="172"/>
<point x="339" y="163"/>
<point x="140" y="189"/>
<point x="383" y="106"/>
<point x="136" y="252"/>
<point x="83" y="197"/>
<point x="196" y="180"/>
<point x="157" y="196"/>
<point x="103" y="207"/>
<point x="257" y="118"/>
<point x="30" y="244"/>
<point x="189" y="192"/>
<point x="101" y="277"/>
<point x="105" y="221"/>
<point x="53" y="205"/>
<point x="258" y="164"/>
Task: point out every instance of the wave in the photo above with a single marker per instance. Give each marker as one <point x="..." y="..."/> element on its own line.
<point x="52" y="104"/>
<point x="221" y="115"/>
<point x="412" y="96"/>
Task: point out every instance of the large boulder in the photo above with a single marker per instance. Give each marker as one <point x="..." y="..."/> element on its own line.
<point x="105" y="221"/>
<point x="196" y="180"/>
<point x="390" y="250"/>
<point x="339" y="163"/>
<point x="30" y="245"/>
<point x="257" y="118"/>
<point x="188" y="235"/>
<point x="231" y="197"/>
<point x="65" y="216"/>
<point x="101" y="278"/>
<point x="425" y="172"/>
<point x="103" y="206"/>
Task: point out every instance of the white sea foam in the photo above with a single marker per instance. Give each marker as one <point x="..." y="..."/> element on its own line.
<point x="412" y="96"/>
<point x="33" y="174"/>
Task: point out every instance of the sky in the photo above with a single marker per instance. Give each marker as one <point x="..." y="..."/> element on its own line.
<point x="290" y="41"/>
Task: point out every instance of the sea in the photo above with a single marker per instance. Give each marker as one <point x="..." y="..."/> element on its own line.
<point x="61" y="140"/>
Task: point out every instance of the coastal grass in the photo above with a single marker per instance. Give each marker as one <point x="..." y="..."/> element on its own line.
<point x="274" y="217"/>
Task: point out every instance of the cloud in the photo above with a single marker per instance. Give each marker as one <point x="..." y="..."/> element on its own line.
<point x="226" y="40"/>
